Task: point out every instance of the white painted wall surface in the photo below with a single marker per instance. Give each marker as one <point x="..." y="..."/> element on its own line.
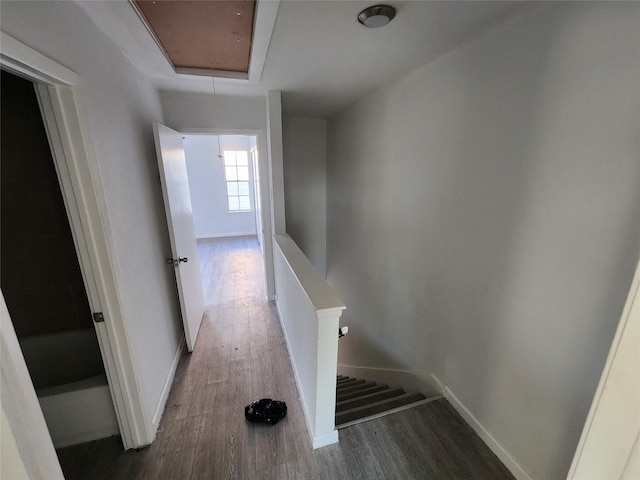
<point x="483" y="221"/>
<point x="207" y="185"/>
<point x="304" y="156"/>
<point x="187" y="110"/>
<point x="119" y="106"/>
<point x="276" y="175"/>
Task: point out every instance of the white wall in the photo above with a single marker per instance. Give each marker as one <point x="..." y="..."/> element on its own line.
<point x="208" y="189"/>
<point x="276" y="164"/>
<point x="304" y="157"/>
<point x="188" y="110"/>
<point x="120" y="106"/>
<point x="483" y="221"/>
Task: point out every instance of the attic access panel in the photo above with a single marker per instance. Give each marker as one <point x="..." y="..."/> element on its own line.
<point x="202" y="37"/>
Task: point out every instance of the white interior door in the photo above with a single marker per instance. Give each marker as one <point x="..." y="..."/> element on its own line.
<point x="177" y="204"/>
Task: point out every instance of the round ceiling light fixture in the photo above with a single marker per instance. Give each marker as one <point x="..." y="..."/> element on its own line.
<point x="376" y="16"/>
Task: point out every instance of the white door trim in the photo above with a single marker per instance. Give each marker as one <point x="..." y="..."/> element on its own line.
<point x="25" y="62"/>
<point x="74" y="158"/>
<point x="608" y="446"/>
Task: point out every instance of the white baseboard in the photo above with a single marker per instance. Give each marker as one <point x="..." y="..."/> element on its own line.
<point x="330" y="438"/>
<point x="157" y="414"/>
<point x="438" y="383"/>
<point x="222" y="235"/>
<point x="410" y="381"/>
<point x="500" y="451"/>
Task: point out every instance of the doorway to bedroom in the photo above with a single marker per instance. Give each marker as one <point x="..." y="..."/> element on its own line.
<point x="224" y="183"/>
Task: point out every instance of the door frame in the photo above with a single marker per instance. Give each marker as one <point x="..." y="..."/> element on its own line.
<point x="74" y="158"/>
<point x="609" y="446"/>
<point x="254" y="154"/>
<point x="265" y="192"/>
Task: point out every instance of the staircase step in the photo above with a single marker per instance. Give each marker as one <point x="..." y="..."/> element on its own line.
<point x="341" y="377"/>
<point x="344" y="380"/>
<point x="344" y="389"/>
<point x="377" y="407"/>
<point x="371" y="387"/>
<point x="369" y="399"/>
<point x="351" y="383"/>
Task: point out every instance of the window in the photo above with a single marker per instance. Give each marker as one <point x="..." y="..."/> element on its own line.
<point x="236" y="172"/>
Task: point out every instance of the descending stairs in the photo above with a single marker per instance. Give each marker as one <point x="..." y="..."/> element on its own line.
<point x="360" y="400"/>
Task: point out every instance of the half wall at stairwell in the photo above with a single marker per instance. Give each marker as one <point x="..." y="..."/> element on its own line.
<point x="309" y="310"/>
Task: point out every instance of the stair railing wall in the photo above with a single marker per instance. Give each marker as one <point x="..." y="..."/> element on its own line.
<point x="309" y="311"/>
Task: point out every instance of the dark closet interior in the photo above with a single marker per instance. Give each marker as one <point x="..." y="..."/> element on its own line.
<point x="39" y="271"/>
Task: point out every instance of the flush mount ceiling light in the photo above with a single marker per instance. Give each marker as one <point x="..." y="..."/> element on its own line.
<point x="376" y="16"/>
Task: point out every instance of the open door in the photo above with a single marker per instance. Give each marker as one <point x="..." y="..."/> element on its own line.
<point x="177" y="204"/>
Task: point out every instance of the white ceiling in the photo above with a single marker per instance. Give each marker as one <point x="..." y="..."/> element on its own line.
<point x="319" y="56"/>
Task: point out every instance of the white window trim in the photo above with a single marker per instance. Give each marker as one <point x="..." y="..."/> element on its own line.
<point x="248" y="181"/>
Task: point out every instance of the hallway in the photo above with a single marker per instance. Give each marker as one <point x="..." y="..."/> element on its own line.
<point x="241" y="356"/>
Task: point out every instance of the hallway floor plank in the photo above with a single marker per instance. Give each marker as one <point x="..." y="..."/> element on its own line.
<point x="241" y="356"/>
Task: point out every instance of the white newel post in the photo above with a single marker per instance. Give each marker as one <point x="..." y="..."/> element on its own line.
<point x="328" y="324"/>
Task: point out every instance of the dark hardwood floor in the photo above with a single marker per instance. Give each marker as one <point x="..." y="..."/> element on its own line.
<point x="240" y="356"/>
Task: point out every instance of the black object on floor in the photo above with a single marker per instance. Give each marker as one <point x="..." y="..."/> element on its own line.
<point x="266" y="410"/>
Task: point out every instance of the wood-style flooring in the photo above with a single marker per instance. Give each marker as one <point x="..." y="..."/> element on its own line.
<point x="240" y="356"/>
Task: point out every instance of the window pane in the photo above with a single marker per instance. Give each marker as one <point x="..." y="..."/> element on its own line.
<point x="245" y="204"/>
<point x="242" y="188"/>
<point x="230" y="173"/>
<point x="236" y="171"/>
<point x="232" y="188"/>
<point x="242" y="158"/>
<point x="243" y="173"/>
